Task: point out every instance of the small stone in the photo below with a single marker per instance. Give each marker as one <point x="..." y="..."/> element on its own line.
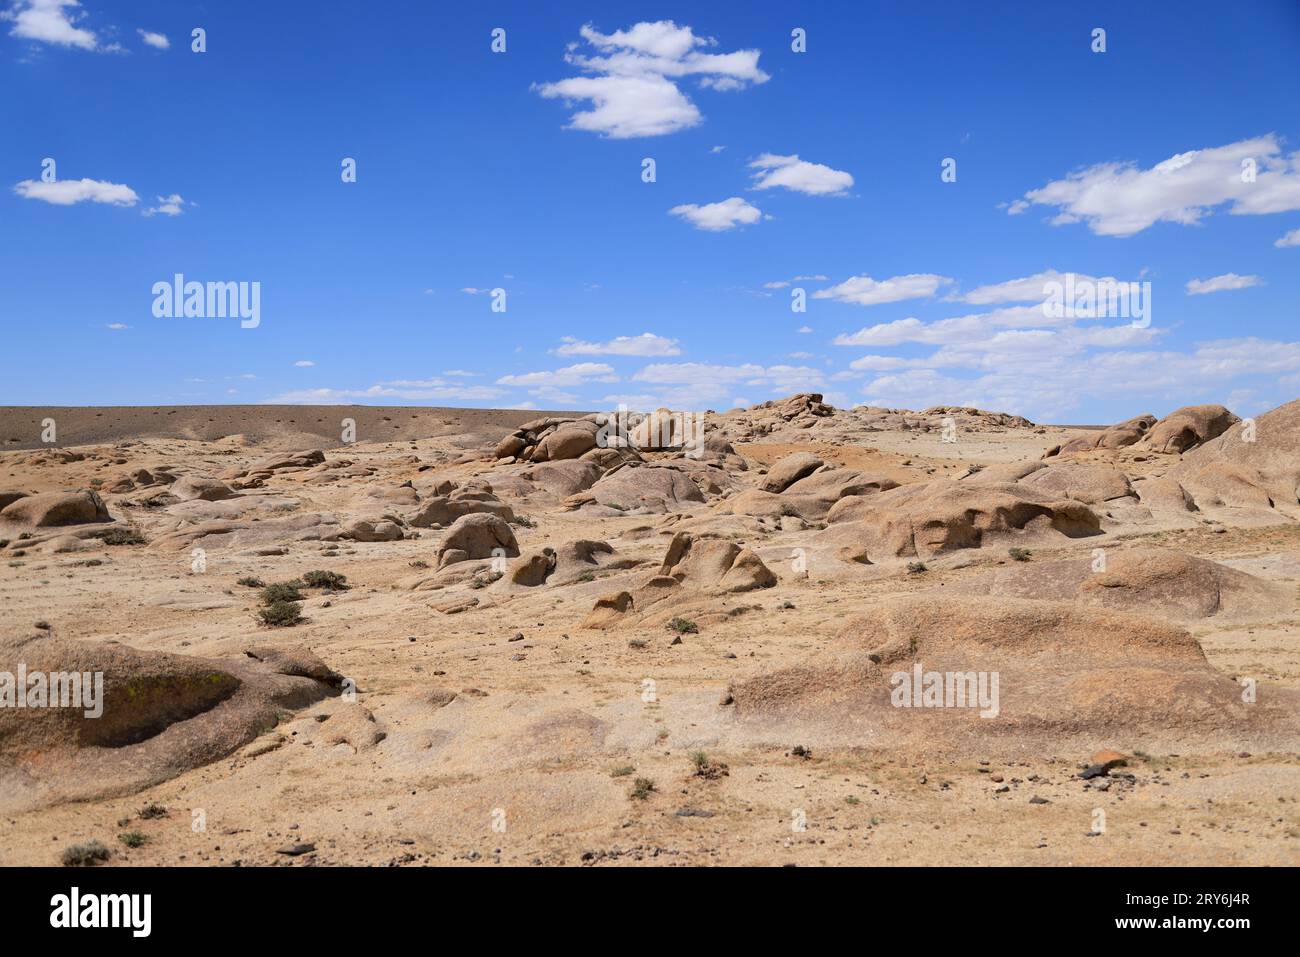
<point x="293" y="850"/>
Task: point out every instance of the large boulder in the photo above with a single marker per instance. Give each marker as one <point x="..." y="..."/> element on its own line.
<point x="1116" y="437"/>
<point x="474" y="536"/>
<point x="1252" y="465"/>
<point x="466" y="500"/>
<point x="714" y="565"/>
<point x="928" y="519"/>
<point x="373" y="530"/>
<point x="567" y="442"/>
<point x="191" y="487"/>
<point x="1188" y="427"/>
<point x="48" y="509"/>
<point x="970" y="676"/>
<point x="785" y="472"/>
<point x="1153" y="581"/>
<point x="1093" y="484"/>
<point x="159" y="715"/>
<point x="653" y="488"/>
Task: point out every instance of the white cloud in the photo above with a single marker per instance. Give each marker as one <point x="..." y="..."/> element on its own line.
<point x="717" y="217"/>
<point x="1120" y="199"/>
<point x="804" y="330"/>
<point x="1028" y="289"/>
<point x="717" y="149"/>
<point x="304" y="363"/>
<point x="1288" y="239"/>
<point x="865" y="291"/>
<point x="632" y="86"/>
<point x="66" y="192"/>
<point x="1046" y="386"/>
<point x="646" y="344"/>
<point x="171" y="205"/>
<point x="1229" y="280"/>
<point x="116" y="326"/>
<point x="568" y="377"/>
<point x="790" y="172"/>
<point x="698" y="386"/>
<point x="50" y="21"/>
<point x="405" y="390"/>
<point x="155" y="40"/>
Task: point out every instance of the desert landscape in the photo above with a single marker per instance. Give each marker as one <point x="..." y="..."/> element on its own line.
<point x="414" y="636"/>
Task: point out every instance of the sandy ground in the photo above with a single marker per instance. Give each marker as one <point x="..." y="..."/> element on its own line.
<point x="534" y="762"/>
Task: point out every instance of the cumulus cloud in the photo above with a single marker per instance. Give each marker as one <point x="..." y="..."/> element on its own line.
<point x="717" y="217"/>
<point x="1027" y="289"/>
<point x="1229" y="280"/>
<point x="406" y="390"/>
<point x="790" y="172"/>
<point x="865" y="291"/>
<point x="1121" y="199"/>
<point x="171" y="205"/>
<point x="568" y="377"/>
<point x="50" y="21"/>
<point x="697" y="384"/>
<point x="156" y="40"/>
<point x="67" y="192"/>
<point x="1288" y="239"/>
<point x="646" y="344"/>
<point x="633" y="78"/>
<point x="1047" y="386"/>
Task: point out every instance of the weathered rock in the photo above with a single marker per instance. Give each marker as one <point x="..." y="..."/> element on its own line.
<point x="789" y="470"/>
<point x="1188" y="427"/>
<point x="477" y="536"/>
<point x="56" y="508"/>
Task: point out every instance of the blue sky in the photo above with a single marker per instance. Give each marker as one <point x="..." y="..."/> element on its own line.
<point x="479" y="170"/>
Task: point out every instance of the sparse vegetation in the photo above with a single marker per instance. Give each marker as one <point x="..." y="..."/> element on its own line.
<point x="637" y="643"/>
<point x="151" y="811"/>
<point x="248" y="581"/>
<point x="789" y="511"/>
<point x="85" y="855"/>
<point x="917" y="568"/>
<point x="1020" y="554"/>
<point x="586" y="577"/>
<point x="622" y="772"/>
<point x="704" y="768"/>
<point x="133" y="839"/>
<point x="641" y="789"/>
<point x="853" y="799"/>
<point x="523" y="521"/>
<point x="281" y="614"/>
<point x="684" y="626"/>
<point x="121" y="536"/>
<point x="330" y="581"/>
<point x="281" y="592"/>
